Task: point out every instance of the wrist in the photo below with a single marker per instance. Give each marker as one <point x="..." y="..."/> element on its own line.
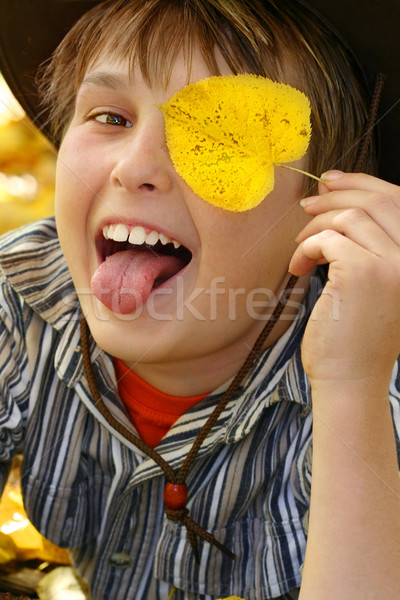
<point x="366" y="390"/>
<point x="350" y="415"/>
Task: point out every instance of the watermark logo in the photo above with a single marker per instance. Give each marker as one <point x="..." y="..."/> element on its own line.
<point x="213" y="303"/>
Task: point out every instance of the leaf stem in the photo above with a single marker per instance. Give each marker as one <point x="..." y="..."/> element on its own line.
<point x="299" y="171"/>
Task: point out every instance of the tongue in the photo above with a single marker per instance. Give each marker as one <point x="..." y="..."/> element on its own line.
<point x="123" y="282"/>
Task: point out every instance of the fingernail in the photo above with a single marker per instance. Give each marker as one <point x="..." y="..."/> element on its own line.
<point x="304" y="202"/>
<point x="331" y="175"/>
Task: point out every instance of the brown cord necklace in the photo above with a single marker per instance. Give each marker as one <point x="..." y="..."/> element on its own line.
<point x="175" y="491"/>
<point x="372" y="121"/>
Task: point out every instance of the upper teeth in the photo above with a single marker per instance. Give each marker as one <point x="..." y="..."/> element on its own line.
<point x="137" y="235"/>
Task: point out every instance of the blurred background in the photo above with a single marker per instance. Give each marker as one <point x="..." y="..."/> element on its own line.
<point x="30" y="566"/>
<point x="27" y="167"/>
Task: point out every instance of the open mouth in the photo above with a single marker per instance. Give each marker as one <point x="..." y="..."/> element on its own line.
<point x="134" y="262"/>
<point x="119" y="238"/>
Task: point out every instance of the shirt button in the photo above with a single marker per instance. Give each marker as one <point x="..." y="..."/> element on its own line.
<point x="120" y="559"/>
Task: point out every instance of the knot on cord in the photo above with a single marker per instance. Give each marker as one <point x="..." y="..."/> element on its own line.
<point x="176" y="514"/>
<point x="175" y="496"/>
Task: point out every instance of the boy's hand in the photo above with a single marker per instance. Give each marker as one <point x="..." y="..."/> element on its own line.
<point x="353" y="335"/>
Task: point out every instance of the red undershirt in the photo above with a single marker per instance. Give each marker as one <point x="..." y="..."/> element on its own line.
<point x="152" y="412"/>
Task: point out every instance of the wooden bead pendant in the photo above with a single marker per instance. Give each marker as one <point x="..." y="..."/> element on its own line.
<point x="175" y="495"/>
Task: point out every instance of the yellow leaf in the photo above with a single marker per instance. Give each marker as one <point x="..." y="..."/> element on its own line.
<point x="226" y="133"/>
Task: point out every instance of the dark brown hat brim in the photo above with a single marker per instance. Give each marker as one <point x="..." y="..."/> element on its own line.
<point x="31" y="29"/>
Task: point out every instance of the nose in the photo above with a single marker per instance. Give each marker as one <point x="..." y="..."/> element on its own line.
<point x="142" y="161"/>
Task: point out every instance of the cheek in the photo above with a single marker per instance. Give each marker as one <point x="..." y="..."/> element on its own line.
<point x="81" y="168"/>
<point x="79" y="180"/>
<point x="229" y="260"/>
<point x="75" y="193"/>
<point x="73" y="174"/>
<point x="253" y="250"/>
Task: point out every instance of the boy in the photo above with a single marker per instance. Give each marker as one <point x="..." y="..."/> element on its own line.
<point x="180" y="340"/>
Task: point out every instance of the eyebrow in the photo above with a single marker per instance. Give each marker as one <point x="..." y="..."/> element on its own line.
<point x="113" y="81"/>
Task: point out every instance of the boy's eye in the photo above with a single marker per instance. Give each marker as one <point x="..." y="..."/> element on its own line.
<point x="112" y="119"/>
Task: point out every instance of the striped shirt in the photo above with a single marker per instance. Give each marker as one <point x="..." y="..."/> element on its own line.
<point x="89" y="489"/>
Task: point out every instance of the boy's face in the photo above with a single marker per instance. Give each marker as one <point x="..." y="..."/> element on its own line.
<point x="192" y="312"/>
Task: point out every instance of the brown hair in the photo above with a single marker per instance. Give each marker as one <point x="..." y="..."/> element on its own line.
<point x="279" y="39"/>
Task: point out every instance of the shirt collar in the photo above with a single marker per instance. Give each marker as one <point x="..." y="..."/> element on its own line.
<point x="32" y="260"/>
<point x="34" y="265"/>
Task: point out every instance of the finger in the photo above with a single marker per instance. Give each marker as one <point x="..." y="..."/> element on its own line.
<point x="350" y="265"/>
<point x="312" y="252"/>
<point x="328" y="246"/>
<point x="381" y="238"/>
<point x="384" y="208"/>
<point x="375" y="203"/>
<point x="337" y="180"/>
